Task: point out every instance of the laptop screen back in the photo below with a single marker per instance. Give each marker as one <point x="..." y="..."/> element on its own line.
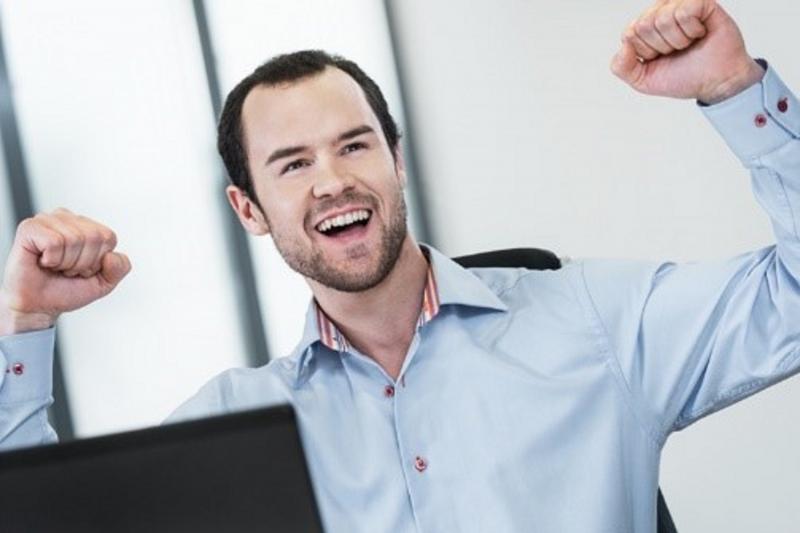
<point x="241" y="472"/>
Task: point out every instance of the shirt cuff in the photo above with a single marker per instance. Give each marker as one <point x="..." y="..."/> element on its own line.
<point x="758" y="120"/>
<point x="26" y="366"/>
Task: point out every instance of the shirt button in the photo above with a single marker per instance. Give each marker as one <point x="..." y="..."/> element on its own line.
<point x="18" y="369"/>
<point x="388" y="391"/>
<point x="761" y="120"/>
<point x="420" y="464"/>
<point x="783" y="105"/>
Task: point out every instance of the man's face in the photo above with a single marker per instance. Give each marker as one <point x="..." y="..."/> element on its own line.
<point x="330" y="189"/>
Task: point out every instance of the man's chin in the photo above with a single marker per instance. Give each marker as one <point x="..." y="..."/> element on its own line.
<point x="352" y="279"/>
<point x="358" y="252"/>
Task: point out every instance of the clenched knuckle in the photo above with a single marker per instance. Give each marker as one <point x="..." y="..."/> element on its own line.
<point x="44" y="219"/>
<point x="683" y="16"/>
<point x="107" y="233"/>
<point x="74" y="239"/>
<point x="26" y="224"/>
<point x="629" y="33"/>
<point x="55" y="240"/>
<point x="644" y="27"/>
<point x="664" y="21"/>
<point x="86" y="221"/>
<point x="94" y="238"/>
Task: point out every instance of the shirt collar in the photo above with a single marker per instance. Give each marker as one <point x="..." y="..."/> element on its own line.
<point x="334" y="339"/>
<point x="459" y="286"/>
<point x="448" y="283"/>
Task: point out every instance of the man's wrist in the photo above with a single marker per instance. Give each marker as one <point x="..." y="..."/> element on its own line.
<point x="750" y="74"/>
<point x="13" y="322"/>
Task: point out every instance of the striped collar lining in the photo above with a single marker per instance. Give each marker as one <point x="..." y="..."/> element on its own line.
<point x="334" y="339"/>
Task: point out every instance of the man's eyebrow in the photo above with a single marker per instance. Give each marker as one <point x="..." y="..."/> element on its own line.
<point x="355" y="132"/>
<point x="280" y="153"/>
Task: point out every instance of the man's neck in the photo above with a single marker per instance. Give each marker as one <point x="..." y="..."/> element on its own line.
<point x="381" y="321"/>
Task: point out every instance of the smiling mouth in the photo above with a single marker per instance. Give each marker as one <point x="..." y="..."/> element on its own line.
<point x="344" y="224"/>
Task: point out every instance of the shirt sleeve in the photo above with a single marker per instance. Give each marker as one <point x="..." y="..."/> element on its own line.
<point x="690" y="339"/>
<point x="26" y="384"/>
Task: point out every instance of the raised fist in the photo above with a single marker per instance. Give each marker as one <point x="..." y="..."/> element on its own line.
<point x="685" y="49"/>
<point x="59" y="262"/>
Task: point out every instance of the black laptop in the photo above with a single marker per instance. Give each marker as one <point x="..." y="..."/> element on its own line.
<point x="234" y="473"/>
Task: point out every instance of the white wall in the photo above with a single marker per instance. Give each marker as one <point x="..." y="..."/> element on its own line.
<point x="525" y="138"/>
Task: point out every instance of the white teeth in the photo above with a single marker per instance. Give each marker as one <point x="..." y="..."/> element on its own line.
<point x="343" y="220"/>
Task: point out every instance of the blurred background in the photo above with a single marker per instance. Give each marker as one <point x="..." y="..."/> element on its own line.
<point x="516" y="134"/>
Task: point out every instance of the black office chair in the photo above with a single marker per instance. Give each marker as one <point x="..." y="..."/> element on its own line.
<point x="537" y="259"/>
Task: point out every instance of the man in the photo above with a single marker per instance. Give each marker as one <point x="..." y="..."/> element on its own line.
<point x="431" y="398"/>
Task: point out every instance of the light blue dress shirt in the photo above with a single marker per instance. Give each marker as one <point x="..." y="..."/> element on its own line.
<point x="534" y="400"/>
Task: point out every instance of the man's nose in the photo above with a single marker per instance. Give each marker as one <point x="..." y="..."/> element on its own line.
<point x="331" y="181"/>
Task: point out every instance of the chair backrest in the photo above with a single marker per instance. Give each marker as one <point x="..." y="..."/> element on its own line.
<point x="531" y="258"/>
<point x="538" y="259"/>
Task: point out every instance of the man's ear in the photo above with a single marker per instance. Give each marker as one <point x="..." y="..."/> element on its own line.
<point x="400" y="166"/>
<point x="249" y="213"/>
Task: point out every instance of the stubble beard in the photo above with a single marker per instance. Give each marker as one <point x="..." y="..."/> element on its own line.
<point x="313" y="264"/>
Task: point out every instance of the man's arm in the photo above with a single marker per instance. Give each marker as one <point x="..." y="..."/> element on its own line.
<point x="691" y="339"/>
<point x="59" y="262"/>
<point x="686" y="49"/>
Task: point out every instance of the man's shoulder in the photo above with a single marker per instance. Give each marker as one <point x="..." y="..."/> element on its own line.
<point x="515" y="285"/>
<point x="506" y="278"/>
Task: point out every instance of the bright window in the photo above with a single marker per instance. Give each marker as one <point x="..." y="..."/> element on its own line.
<point x="116" y="124"/>
<point x="7" y="226"/>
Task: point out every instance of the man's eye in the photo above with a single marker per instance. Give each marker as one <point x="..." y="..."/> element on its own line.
<point x="294" y="165"/>
<point x="352" y="147"/>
